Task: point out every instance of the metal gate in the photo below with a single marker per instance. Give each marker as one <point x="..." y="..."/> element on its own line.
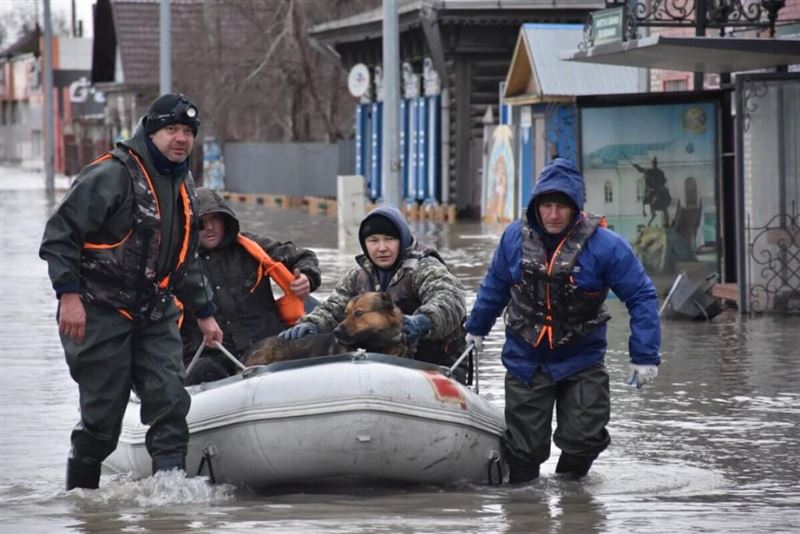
<point x="768" y="192"/>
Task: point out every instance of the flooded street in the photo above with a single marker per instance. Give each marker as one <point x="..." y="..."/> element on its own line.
<point x="712" y="447"/>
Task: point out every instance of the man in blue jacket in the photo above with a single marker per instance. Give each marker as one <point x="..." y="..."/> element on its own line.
<point x="553" y="270"/>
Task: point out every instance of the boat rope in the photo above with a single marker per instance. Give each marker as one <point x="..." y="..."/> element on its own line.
<point x="219" y="347"/>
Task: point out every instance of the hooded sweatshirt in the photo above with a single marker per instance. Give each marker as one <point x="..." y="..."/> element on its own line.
<point x="435" y="291"/>
<point x="607" y="261"/>
<point x="245" y="312"/>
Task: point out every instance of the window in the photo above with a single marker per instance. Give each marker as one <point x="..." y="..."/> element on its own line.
<point x="609" y="192"/>
<point x="676" y="85"/>
<point x="639" y="189"/>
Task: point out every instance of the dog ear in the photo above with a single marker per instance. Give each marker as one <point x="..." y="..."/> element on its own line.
<point x="387" y="302"/>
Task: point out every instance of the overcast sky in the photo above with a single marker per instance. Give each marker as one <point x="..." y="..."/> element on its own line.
<point x="83" y="10"/>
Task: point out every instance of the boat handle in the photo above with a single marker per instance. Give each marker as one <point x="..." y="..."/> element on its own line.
<point x="471" y="347"/>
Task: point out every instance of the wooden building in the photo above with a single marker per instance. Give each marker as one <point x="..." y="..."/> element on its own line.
<point x="470" y="45"/>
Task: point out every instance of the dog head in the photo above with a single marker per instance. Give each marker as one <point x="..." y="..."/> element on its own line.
<point x="373" y="322"/>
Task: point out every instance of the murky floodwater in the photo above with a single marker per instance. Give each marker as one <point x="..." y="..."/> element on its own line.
<point x="713" y="447"/>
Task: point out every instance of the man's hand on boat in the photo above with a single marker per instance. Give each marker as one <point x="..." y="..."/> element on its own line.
<point x="212" y="333"/>
<point x="72" y="317"/>
<point x="475" y="340"/>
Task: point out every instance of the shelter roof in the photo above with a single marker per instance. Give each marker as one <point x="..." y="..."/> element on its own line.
<point x="695" y="54"/>
<point x="537" y="73"/>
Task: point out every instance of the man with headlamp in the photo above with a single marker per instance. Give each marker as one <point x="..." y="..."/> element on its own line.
<point x="120" y="248"/>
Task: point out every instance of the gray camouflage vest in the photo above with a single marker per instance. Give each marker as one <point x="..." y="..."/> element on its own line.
<point x="548" y="304"/>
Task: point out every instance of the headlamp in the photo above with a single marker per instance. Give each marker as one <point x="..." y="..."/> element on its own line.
<point x="181" y="112"/>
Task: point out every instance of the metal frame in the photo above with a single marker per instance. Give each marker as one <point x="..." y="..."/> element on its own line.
<point x="786" y="223"/>
<point x="719" y="14"/>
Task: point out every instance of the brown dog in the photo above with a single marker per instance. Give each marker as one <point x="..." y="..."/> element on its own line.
<point x="372" y="322"/>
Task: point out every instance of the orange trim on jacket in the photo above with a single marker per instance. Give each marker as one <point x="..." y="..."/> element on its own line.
<point x="548" y="328"/>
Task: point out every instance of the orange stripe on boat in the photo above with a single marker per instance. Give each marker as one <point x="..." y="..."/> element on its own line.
<point x="446" y="389"/>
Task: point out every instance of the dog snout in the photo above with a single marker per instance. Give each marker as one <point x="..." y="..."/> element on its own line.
<point x="341" y="333"/>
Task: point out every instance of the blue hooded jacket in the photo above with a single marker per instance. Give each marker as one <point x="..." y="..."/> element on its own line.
<point x="607" y="261"/>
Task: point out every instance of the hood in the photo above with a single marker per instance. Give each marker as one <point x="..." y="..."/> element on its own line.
<point x="398" y="220"/>
<point x="208" y="201"/>
<point x="562" y="176"/>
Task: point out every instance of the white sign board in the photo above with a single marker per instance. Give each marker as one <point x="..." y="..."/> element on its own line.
<point x="358" y="80"/>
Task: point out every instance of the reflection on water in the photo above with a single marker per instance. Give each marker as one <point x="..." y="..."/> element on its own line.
<point x="712" y="447"/>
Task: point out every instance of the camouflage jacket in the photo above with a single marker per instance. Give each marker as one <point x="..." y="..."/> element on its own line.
<point x="439" y="292"/>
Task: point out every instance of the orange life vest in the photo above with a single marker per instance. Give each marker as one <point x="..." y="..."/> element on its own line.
<point x="290" y="306"/>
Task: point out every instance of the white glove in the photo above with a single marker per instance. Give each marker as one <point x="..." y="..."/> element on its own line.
<point x="475" y="340"/>
<point x="642" y="375"/>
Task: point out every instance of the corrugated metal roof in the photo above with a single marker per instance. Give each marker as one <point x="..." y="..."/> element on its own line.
<point x="478" y="6"/>
<point x="567" y="78"/>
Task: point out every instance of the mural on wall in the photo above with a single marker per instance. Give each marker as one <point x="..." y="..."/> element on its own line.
<point x="499" y="177"/>
<point x="651" y="170"/>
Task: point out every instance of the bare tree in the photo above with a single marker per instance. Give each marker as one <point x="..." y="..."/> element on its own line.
<point x="256" y="75"/>
<point x="22" y="18"/>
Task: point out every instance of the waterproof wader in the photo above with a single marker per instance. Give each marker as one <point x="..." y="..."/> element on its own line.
<point x="583" y="409"/>
<point x="116" y="356"/>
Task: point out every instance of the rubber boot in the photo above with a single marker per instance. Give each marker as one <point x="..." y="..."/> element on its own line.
<point x="522" y="475"/>
<point x="83" y="473"/>
<point x="574" y="467"/>
<point x="167" y="462"/>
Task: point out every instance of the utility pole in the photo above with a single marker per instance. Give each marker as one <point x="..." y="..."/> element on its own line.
<point x="49" y="145"/>
<point x="390" y="153"/>
<point x="165" y="48"/>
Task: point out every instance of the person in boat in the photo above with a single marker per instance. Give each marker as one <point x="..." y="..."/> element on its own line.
<point x="119" y="245"/>
<point x="553" y="269"/>
<point x="429" y="295"/>
<point x="246" y="307"/>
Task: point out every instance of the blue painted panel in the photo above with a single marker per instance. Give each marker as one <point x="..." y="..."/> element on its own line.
<point x="422" y="146"/>
<point x="505" y="110"/>
<point x="411" y="182"/>
<point x="526" y="166"/>
<point x="432" y="183"/>
<point x="404" y="147"/>
<point x="560" y="131"/>
<point x="376" y="146"/>
<point x="362" y="117"/>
